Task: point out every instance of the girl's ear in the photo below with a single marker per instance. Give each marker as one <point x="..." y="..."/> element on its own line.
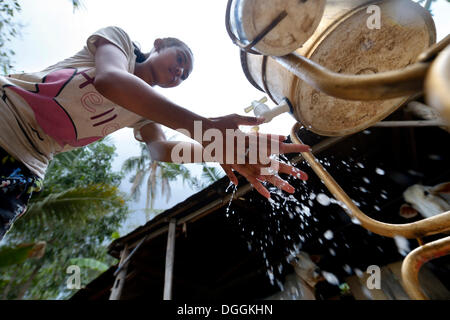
<point x="158" y="44"/>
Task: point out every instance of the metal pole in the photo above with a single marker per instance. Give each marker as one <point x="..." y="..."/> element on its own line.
<point x="416" y="259"/>
<point x="413" y="123"/>
<point x="384" y="85"/>
<point x="432" y="225"/>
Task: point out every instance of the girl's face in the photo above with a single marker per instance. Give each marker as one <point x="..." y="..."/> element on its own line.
<point x="170" y="66"/>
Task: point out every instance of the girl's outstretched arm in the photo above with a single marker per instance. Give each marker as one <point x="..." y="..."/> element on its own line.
<point x="114" y="82"/>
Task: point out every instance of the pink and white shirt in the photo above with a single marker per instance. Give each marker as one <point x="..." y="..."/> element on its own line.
<point x="59" y="109"/>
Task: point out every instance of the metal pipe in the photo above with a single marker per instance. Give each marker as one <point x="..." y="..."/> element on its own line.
<point x="418" y="229"/>
<point x="414" y="261"/>
<point x="413" y="123"/>
<point x="381" y="86"/>
<point x="434" y="50"/>
<point x="437" y="84"/>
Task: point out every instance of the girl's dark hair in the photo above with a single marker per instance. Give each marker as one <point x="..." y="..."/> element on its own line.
<point x="140" y="56"/>
<point x="166" y="43"/>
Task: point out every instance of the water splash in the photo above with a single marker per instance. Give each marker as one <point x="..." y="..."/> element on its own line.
<point x="231" y="199"/>
<point x="323" y="199"/>
<point x="330" y="278"/>
<point x="328" y="234"/>
<point x="402" y="245"/>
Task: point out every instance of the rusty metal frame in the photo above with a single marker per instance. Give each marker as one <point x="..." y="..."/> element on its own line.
<point x="429" y="226"/>
<point x="416" y="259"/>
<point x="418" y="229"/>
<point x="437" y="84"/>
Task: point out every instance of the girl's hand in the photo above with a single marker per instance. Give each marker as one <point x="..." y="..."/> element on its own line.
<point x="251" y="173"/>
<point x="251" y="154"/>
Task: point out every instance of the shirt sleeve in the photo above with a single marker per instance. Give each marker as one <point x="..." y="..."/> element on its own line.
<point x="137" y="127"/>
<point x="119" y="38"/>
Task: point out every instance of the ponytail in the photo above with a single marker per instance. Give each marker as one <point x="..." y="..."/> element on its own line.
<point x="140" y="56"/>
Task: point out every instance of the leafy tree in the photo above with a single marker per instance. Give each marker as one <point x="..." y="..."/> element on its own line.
<point x="9" y="29"/>
<point x="76" y="215"/>
<point x="160" y="174"/>
<point x="211" y="174"/>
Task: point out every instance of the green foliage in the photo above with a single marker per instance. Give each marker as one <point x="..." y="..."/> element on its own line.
<point x="211" y="174"/>
<point x="89" y="263"/>
<point x="160" y="174"/>
<point x="9" y="29"/>
<point x="76" y="215"/>
<point x="15" y="255"/>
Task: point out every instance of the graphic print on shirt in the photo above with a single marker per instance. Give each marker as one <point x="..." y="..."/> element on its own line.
<point x="57" y="103"/>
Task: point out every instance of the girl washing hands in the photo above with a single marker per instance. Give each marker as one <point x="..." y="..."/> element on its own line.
<point x="106" y="86"/>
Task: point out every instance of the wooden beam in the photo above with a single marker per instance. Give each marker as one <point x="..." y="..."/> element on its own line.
<point x="170" y="256"/>
<point x="116" y="290"/>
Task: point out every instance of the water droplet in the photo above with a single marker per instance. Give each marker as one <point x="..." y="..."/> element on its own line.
<point x="332" y="252"/>
<point x="231" y="198"/>
<point x="358" y="273"/>
<point x="347" y="269"/>
<point x="271" y="276"/>
<point x="435" y="157"/>
<point x="402" y="245"/>
<point x="380" y="171"/>
<point x="359" y="164"/>
<point x="323" y="199"/>
<point x="366" y="180"/>
<point x="330" y="278"/>
<point x="328" y="235"/>
<point x="363" y="189"/>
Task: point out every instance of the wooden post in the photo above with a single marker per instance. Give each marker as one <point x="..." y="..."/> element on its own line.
<point x="116" y="290"/>
<point x="170" y="255"/>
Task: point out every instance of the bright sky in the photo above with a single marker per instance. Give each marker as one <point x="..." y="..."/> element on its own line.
<point x="217" y="86"/>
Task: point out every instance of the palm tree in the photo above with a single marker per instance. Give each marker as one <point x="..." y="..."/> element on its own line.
<point x="211" y="174"/>
<point x="74" y="214"/>
<point x="160" y="174"/>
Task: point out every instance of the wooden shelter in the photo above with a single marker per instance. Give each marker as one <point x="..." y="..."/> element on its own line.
<point x="208" y="248"/>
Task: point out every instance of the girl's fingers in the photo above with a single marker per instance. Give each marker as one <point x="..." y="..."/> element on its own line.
<point x="253" y="181"/>
<point x="293" y="171"/>
<point x="280" y="184"/>
<point x="248" y="121"/>
<point x="293" y="148"/>
<point x="269" y="136"/>
<point x="229" y="172"/>
<point x="276" y="146"/>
